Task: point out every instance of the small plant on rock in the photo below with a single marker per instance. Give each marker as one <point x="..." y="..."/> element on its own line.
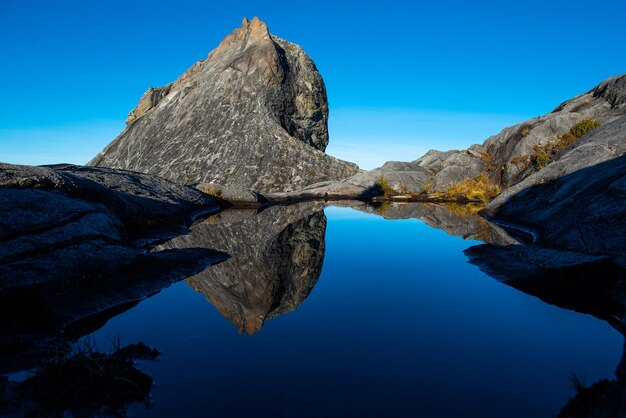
<point x="583" y="127"/>
<point x="385" y="187"/>
<point x="478" y="189"/>
<point x="540" y="157"/>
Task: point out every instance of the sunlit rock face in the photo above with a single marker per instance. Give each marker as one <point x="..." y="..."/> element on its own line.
<point x="254" y="114"/>
<point x="276" y="259"/>
<point x="506" y="159"/>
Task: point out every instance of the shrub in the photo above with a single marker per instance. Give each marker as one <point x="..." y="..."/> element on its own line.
<point x="583" y="127"/>
<point x="525" y="131"/>
<point x="486" y="157"/>
<point x="385" y="187"/>
<point x="541" y="156"/>
<point x="211" y="190"/>
<point x="522" y="162"/>
<point x="479" y="189"/>
<point x="562" y="142"/>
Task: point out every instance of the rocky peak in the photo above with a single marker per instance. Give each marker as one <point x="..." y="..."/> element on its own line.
<point x="251" y="32"/>
<point x="254" y="114"/>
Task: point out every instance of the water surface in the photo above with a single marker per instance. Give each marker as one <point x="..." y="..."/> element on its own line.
<point x="398" y="324"/>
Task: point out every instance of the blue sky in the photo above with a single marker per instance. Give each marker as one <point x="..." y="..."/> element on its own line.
<point x="402" y="77"/>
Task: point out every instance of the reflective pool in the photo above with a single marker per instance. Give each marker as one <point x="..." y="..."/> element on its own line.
<point x="339" y="312"/>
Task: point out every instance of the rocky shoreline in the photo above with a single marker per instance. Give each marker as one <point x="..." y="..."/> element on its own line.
<point x="246" y="129"/>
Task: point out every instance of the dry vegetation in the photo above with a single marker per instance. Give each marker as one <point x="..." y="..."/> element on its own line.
<point x="542" y="154"/>
<point x="478" y="189"/>
<point x="385" y="187"/>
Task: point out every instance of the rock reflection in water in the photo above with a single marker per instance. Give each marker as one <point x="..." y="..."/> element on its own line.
<point x="455" y="219"/>
<point x="277" y="253"/>
<point x="276" y="259"/>
<point x="587" y="284"/>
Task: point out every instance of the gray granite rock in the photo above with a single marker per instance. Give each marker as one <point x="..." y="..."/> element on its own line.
<point x="140" y="201"/>
<point x="582" y="211"/>
<point x="252" y="115"/>
<point x="69" y="248"/>
<point x="232" y="195"/>
<point x="504" y="158"/>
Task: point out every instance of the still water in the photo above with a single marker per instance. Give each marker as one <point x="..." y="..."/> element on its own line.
<point x="336" y="312"/>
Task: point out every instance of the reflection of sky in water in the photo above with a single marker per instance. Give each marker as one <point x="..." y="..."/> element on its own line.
<point x="399" y="324"/>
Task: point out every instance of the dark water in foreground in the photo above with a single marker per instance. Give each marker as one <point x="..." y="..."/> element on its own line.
<point x="397" y="324"/>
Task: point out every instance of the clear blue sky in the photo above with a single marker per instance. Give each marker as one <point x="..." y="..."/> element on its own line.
<point x="402" y="77"/>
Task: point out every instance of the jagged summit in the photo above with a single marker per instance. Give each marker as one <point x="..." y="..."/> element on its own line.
<point x="254" y="114"/>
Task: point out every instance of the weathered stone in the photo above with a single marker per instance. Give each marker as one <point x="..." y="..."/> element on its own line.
<point x="68" y="248"/>
<point x="140" y="201"/>
<point x="232" y="195"/>
<point x="252" y="115"/>
<point x="505" y="158"/>
<point x="581" y="211"/>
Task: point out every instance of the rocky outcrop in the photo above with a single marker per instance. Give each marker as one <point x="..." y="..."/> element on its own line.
<point x="276" y="259"/>
<point x="575" y="211"/>
<point x="139" y="201"/>
<point x="73" y="245"/>
<point x="253" y="115"/>
<point x="505" y="160"/>
<point x="584" y="211"/>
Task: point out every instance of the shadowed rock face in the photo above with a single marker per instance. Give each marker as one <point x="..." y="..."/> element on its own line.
<point x="276" y="259"/>
<point x="584" y="211"/>
<point x="69" y="249"/>
<point x="254" y="114"/>
<point x="603" y="399"/>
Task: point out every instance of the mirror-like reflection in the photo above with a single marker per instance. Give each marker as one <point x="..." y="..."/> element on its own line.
<point x="396" y="323"/>
<point x="276" y="259"/>
<point x="586" y="284"/>
<point x="458" y="220"/>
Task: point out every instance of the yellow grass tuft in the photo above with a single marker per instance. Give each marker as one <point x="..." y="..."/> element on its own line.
<point x="478" y="189"/>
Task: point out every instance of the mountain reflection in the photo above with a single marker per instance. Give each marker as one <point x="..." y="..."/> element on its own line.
<point x="457" y="220"/>
<point x="277" y="253"/>
<point x="276" y="259"/>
